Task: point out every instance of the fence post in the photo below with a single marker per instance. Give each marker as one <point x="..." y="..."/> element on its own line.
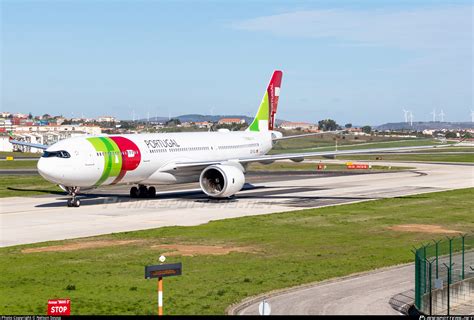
<point x="449" y="283"/>
<point x="462" y="270"/>
<point x="424" y="268"/>
<point x="430" y="263"/>
<point x="417" y="278"/>
<point x="437" y="253"/>
<point x="450" y="251"/>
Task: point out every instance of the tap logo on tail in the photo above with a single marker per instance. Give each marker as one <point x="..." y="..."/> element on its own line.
<point x="265" y="118"/>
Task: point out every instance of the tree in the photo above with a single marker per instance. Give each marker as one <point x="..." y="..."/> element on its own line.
<point x="327" y="125"/>
<point x="348" y="125"/>
<point x="367" y="129"/>
<point x="173" y="122"/>
<point x="30" y="116"/>
<point x="451" y="134"/>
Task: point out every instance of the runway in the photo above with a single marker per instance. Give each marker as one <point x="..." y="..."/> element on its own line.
<point x="45" y="218"/>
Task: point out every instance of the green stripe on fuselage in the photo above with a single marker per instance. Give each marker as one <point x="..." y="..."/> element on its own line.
<point x="112" y="157"/>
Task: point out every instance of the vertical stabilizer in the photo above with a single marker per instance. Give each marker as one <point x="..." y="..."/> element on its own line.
<point x="265" y="118"/>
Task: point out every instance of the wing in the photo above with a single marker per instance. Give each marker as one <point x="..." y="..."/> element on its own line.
<point x="27" y="144"/>
<point x="195" y="165"/>
<point x="306" y="135"/>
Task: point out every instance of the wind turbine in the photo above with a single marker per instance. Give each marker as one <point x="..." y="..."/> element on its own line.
<point x="434" y="115"/>
<point x="411" y="118"/>
<point x="441" y="115"/>
<point x="406" y="115"/>
<point x="472" y="115"/>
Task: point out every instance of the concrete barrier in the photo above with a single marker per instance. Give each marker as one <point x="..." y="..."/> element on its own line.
<point x="460" y="292"/>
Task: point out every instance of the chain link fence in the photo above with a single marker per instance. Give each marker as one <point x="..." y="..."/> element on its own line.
<point x="444" y="275"/>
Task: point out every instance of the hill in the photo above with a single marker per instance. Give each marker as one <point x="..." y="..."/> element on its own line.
<point x="420" y="126"/>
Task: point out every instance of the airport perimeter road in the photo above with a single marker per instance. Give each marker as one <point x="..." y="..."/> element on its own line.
<point x="44" y="218"/>
<point x="366" y="293"/>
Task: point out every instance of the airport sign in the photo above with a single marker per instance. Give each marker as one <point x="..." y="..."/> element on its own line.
<point x="163" y="270"/>
<point x="59" y="307"/>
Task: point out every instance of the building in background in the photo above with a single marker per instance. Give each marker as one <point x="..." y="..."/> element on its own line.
<point x="107" y="119"/>
<point x="303" y="126"/>
<point x="46" y="135"/>
<point x="231" y="121"/>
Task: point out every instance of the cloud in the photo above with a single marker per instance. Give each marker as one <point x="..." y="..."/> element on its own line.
<point x="421" y="28"/>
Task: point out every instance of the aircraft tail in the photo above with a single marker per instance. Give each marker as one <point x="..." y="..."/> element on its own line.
<point x="265" y="118"/>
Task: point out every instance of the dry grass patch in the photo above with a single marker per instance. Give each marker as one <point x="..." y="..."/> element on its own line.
<point x="424" y="228"/>
<point x="193" y="250"/>
<point x="80" y="245"/>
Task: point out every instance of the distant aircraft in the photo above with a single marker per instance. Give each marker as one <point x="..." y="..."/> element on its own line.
<point x="217" y="160"/>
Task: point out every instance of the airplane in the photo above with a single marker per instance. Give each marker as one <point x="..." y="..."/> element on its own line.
<point x="217" y="160"/>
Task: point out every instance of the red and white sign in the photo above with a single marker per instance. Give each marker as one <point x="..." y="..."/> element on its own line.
<point x="59" y="307"/>
<point x="358" y="166"/>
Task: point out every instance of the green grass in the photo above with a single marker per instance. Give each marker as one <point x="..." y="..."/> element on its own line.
<point x="4" y="154"/>
<point x="25" y="185"/>
<point x="283" y="166"/>
<point x="292" y="248"/>
<point x="435" y="157"/>
<point x="18" y="164"/>
<point x="316" y="144"/>
<point x="292" y="146"/>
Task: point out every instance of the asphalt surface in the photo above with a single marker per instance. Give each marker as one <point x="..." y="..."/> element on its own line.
<point x="360" y="294"/>
<point x="44" y="218"/>
<point x="18" y="171"/>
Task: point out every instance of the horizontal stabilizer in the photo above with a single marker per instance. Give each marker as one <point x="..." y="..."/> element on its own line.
<point x="28" y="144"/>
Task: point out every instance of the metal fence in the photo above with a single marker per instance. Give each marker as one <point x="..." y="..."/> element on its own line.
<point x="444" y="275"/>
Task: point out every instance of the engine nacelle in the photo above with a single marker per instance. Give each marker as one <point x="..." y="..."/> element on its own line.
<point x="221" y="181"/>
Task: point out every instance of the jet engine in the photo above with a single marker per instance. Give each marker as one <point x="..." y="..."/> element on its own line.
<point x="221" y="181"/>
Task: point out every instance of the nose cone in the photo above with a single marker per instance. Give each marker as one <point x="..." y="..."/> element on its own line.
<point x="47" y="170"/>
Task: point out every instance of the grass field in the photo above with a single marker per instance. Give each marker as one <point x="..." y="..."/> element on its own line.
<point x="315" y="144"/>
<point x="287" y="249"/>
<point x="435" y="157"/>
<point x="4" y="154"/>
<point x="18" y="164"/>
<point x="305" y="166"/>
<point x="25" y="185"/>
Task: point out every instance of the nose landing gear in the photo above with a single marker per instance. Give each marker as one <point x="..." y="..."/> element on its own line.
<point x="73" y="202"/>
<point x="142" y="192"/>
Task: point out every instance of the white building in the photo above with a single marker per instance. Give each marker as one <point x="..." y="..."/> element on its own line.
<point x="107" y="119"/>
<point x="298" y="125"/>
<point x="85" y="129"/>
<point x="5" y="145"/>
<point x="46" y="135"/>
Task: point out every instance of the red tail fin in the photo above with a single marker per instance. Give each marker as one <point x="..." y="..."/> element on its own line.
<point x="273" y="95"/>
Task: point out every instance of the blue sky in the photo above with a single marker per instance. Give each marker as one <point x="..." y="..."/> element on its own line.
<point x="353" y="61"/>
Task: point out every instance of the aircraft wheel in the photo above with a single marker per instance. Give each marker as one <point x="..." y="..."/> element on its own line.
<point x="134" y="192"/>
<point x="76" y="203"/>
<point x="69" y="202"/>
<point x="151" y="192"/>
<point x="142" y="191"/>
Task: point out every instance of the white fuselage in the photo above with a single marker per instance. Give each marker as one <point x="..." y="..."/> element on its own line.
<point x="92" y="161"/>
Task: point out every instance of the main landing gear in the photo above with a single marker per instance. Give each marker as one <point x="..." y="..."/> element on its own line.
<point x="73" y="202"/>
<point x="142" y="192"/>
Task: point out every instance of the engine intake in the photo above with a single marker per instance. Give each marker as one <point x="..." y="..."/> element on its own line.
<point x="221" y="181"/>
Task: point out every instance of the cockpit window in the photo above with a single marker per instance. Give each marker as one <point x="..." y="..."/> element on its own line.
<point x="58" y="154"/>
